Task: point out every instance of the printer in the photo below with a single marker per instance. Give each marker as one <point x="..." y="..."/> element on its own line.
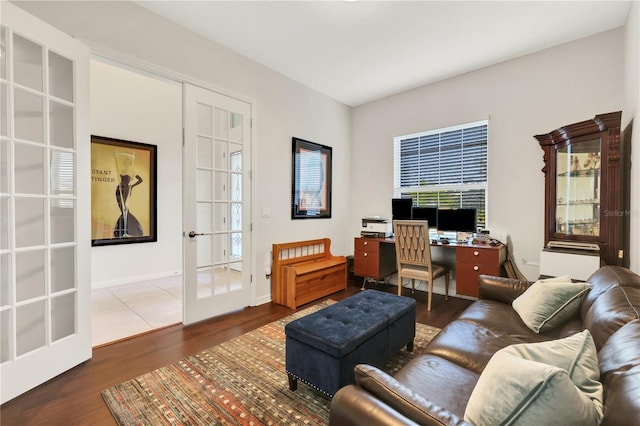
<point x="376" y="227"/>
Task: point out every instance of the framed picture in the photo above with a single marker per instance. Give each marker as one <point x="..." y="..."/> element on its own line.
<point x="123" y="192"/>
<point x="311" y="180"/>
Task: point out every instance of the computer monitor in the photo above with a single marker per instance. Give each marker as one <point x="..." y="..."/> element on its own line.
<point x="430" y="214"/>
<point x="401" y="208"/>
<point x="459" y="220"/>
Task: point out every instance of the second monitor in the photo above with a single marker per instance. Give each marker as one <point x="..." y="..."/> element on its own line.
<point x="460" y="220"/>
<point x="430" y="214"/>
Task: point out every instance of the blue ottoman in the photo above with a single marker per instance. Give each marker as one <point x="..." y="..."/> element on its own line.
<point x="323" y="348"/>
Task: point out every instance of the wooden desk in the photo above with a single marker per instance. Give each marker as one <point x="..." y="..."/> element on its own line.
<point x="376" y="258"/>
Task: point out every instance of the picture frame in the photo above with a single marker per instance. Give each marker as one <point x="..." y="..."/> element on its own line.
<point x="310" y="180"/>
<point x="123" y="191"/>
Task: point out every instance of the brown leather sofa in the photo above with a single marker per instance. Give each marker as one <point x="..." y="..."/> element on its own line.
<point x="434" y="388"/>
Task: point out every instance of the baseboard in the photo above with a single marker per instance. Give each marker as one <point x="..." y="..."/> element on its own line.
<point x="262" y="300"/>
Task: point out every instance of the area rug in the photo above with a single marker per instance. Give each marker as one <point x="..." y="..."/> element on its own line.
<point x="239" y="382"/>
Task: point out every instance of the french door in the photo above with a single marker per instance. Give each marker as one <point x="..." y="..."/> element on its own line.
<point x="45" y="280"/>
<point x="217" y="204"/>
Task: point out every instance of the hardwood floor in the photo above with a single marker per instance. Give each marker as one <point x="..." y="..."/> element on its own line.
<point x="73" y="398"/>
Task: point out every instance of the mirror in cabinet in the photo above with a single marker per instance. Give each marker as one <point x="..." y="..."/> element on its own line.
<point x="584" y="187"/>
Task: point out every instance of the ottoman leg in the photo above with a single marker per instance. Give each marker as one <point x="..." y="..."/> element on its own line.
<point x="293" y="382"/>
<point x="410" y="346"/>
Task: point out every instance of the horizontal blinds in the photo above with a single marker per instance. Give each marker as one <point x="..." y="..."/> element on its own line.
<point x="445" y="168"/>
<point x="451" y="157"/>
<point x="62" y="178"/>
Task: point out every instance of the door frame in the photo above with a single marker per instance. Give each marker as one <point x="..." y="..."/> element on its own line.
<point x="136" y="64"/>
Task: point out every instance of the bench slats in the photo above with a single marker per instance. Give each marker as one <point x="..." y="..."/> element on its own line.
<point x="305" y="271"/>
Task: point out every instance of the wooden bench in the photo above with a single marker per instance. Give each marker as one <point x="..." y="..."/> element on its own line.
<point x="305" y="271"/>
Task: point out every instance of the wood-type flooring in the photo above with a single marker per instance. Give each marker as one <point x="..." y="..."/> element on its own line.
<point x="73" y="398"/>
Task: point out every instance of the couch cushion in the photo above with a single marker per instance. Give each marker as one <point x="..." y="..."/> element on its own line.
<point x="622" y="350"/>
<point x="549" y="303"/>
<point x="553" y="382"/>
<point x="501" y="318"/>
<point x="622" y="404"/>
<point x="570" y="328"/>
<point x="620" y="375"/>
<point x="606" y="278"/>
<point x="471" y="344"/>
<point x="610" y="311"/>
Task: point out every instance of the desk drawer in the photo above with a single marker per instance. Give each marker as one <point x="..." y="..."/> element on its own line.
<point x="367" y="244"/>
<point x="366" y="263"/>
<point x="478" y="256"/>
<point x="467" y="277"/>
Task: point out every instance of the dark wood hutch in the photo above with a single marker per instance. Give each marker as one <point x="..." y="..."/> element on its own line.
<point x="585" y="187"/>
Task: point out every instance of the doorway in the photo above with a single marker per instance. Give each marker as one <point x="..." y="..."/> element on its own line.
<point x="137" y="287"/>
<point x="203" y="186"/>
<point x="126" y="310"/>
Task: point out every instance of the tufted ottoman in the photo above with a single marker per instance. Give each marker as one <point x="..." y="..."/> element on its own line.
<point x="323" y="348"/>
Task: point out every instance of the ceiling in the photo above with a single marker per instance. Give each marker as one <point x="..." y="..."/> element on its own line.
<point x="359" y="51"/>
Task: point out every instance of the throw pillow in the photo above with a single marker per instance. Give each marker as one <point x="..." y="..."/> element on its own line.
<point x="548" y="383"/>
<point x="549" y="303"/>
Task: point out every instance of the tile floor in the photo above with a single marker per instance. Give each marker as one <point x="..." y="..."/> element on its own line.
<point x="129" y="309"/>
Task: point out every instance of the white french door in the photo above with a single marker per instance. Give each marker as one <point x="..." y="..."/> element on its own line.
<point x="217" y="204"/>
<point x="45" y="280"/>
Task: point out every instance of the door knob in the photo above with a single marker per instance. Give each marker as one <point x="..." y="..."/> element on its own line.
<point x="193" y="234"/>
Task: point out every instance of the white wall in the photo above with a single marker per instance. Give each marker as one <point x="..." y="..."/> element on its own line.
<point x="523" y="97"/>
<point x="530" y="95"/>
<point x="632" y="112"/>
<point x="138" y="108"/>
<point x="283" y="108"/>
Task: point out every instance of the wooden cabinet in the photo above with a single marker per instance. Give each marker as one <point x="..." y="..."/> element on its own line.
<point x="472" y="261"/>
<point x="585" y="188"/>
<point x="373" y="258"/>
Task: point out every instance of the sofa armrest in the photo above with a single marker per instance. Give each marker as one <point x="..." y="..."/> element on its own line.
<point x="353" y="406"/>
<point x="501" y="289"/>
<point x="387" y="391"/>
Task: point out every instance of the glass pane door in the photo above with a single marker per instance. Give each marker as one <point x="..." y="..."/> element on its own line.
<point x="44" y="267"/>
<point x="217" y="197"/>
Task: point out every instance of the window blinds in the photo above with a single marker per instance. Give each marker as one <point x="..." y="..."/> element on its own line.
<point x="445" y="167"/>
<point x="62" y="177"/>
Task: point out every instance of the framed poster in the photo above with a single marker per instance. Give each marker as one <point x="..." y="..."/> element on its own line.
<point x="123" y="192"/>
<point x="311" y="180"/>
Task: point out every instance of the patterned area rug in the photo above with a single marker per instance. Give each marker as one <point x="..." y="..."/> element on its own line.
<point x="239" y="382"/>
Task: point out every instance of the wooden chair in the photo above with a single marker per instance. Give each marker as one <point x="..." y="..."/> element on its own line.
<point x="413" y="254"/>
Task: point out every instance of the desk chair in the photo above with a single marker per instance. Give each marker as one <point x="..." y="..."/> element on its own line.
<point x="413" y="254"/>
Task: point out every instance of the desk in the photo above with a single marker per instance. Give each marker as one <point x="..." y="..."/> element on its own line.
<point x="376" y="258"/>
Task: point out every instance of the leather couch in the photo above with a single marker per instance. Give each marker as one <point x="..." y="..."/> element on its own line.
<point x="434" y="387"/>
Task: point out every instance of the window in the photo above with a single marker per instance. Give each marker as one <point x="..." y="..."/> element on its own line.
<point x="446" y="168"/>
